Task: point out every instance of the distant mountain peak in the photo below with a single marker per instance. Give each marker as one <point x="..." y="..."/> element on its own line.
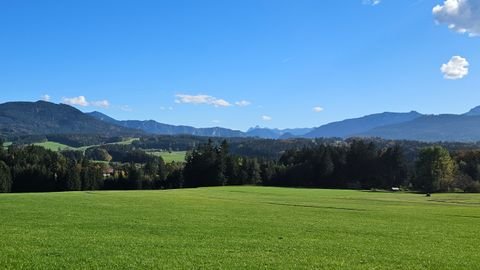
<point x="154" y="127"/>
<point x="473" y="112"/>
<point x="352" y="127"/>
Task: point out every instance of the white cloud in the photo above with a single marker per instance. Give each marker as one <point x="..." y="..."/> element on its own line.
<point x="76" y="101"/>
<point x="46" y="97"/>
<point x="318" y="109"/>
<point x="216" y="121"/>
<point x="100" y="103"/>
<point x="83" y="102"/>
<point x="371" y="2"/>
<point x="201" y="99"/>
<point x="243" y="103"/>
<point x="266" y="118"/>
<point x="462" y="16"/>
<point x="455" y="69"/>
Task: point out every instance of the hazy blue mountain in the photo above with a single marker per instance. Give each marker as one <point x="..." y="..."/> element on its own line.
<point x="296" y="131"/>
<point x="473" y="112"/>
<point x="268" y="133"/>
<point x="154" y="127"/>
<point x="430" y="128"/>
<point x="263" y="133"/>
<point x="103" y="117"/>
<point x="41" y="118"/>
<point x="351" y="127"/>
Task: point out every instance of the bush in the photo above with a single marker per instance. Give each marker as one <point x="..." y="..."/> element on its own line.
<point x="98" y="154"/>
<point x="465" y="183"/>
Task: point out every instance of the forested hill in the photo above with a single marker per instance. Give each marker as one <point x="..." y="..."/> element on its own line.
<point x="34" y="118"/>
<point x="352" y="127"/>
<point x="154" y="127"/>
<point x="45" y="118"/>
<point x="431" y="128"/>
<point x="407" y="126"/>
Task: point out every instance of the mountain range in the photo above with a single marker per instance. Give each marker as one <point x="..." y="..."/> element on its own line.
<point x="37" y="118"/>
<point x="153" y="127"/>
<point x="358" y="126"/>
<point x="40" y="118"/>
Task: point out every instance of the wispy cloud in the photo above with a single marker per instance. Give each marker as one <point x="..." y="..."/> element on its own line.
<point x="100" y="103"/>
<point x="83" y="102"/>
<point x="266" y="118"/>
<point x="243" y="103"/>
<point x="201" y="99"/>
<point x="371" y="2"/>
<point x="455" y="69"/>
<point x="76" y="101"/>
<point x="318" y="109"/>
<point x="46" y="97"/>
<point x="126" y="108"/>
<point x="163" y="108"/>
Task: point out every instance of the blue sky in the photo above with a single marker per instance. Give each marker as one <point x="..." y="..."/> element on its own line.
<point x="238" y="64"/>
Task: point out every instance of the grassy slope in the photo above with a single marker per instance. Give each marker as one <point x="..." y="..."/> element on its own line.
<point x="54" y="146"/>
<point x="170" y="157"/>
<point x="239" y="227"/>
<point x="167" y="157"/>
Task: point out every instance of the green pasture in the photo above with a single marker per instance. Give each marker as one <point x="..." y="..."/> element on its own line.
<point x="55" y="146"/>
<point x="239" y="228"/>
<point x="177" y="156"/>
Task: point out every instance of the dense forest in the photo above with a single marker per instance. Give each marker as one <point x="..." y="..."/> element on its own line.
<point x="353" y="164"/>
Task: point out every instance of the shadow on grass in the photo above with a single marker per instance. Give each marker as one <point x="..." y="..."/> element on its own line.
<point x="316" y="206"/>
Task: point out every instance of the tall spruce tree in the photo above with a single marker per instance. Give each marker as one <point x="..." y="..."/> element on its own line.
<point x="5" y="178"/>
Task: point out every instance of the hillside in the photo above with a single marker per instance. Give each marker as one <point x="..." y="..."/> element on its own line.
<point x="446" y="127"/>
<point x="42" y="118"/>
<point x="351" y="127"/>
<point x="37" y="118"/>
<point x="269" y="133"/>
<point x="154" y="127"/>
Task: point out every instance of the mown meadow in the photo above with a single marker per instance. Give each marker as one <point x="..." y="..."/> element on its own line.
<point x="168" y="157"/>
<point x="239" y="227"/>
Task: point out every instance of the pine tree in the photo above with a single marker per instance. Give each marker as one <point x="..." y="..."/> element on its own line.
<point x="5" y="178"/>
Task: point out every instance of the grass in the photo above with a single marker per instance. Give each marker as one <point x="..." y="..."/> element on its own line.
<point x="6" y="144"/>
<point x="55" y="146"/>
<point x="239" y="228"/>
<point x="168" y="157"/>
<point x="126" y="142"/>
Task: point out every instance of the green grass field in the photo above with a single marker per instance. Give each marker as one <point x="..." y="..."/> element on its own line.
<point x="177" y="156"/>
<point x="239" y="228"/>
<point x="168" y="157"/>
<point x="55" y="146"/>
<point x="6" y="144"/>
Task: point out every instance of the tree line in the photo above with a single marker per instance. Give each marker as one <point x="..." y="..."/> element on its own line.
<point x="356" y="164"/>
